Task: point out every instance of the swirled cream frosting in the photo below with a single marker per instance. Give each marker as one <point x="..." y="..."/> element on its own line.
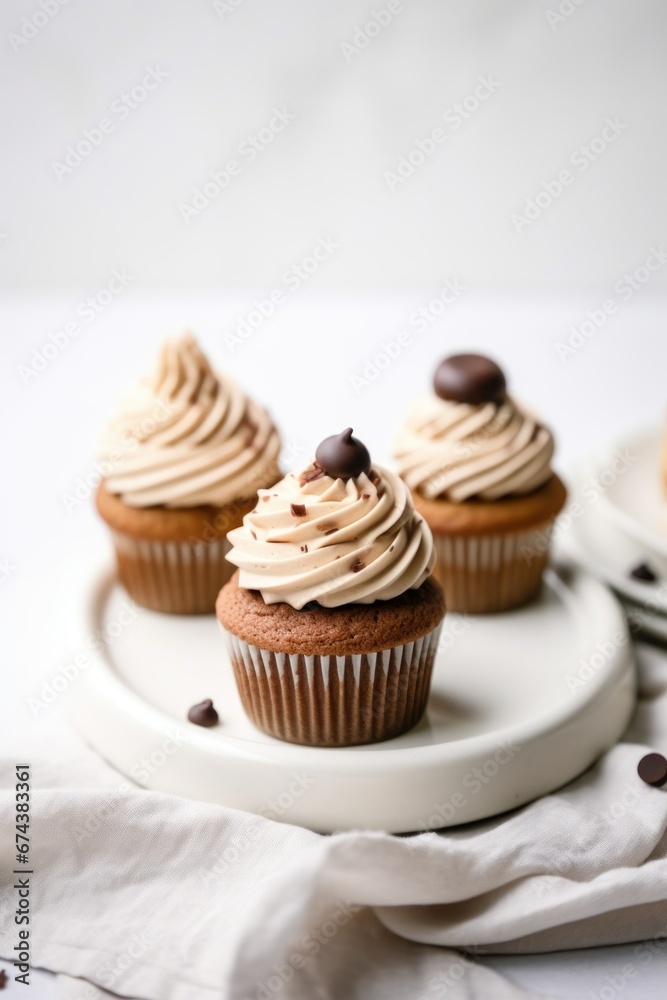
<point x="334" y="541"/>
<point x="459" y="451"/>
<point x="189" y="436"/>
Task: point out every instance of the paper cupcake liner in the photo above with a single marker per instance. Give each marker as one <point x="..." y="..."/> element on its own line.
<point x="175" y="577"/>
<point x="334" y="701"/>
<point x="485" y="574"/>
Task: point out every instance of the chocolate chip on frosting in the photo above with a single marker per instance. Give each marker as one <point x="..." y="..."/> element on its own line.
<point x="470" y="378"/>
<point x="203" y="714"/>
<point x="357" y="565"/>
<point x="298" y="509"/>
<point x="343" y="456"/>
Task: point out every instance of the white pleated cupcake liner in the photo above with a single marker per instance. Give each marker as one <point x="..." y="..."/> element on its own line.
<point x="334" y="700"/>
<point x="491" y="573"/>
<point x="174" y="577"/>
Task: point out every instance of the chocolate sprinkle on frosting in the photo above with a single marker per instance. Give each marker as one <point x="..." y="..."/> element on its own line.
<point x="310" y="474"/>
<point x="298" y="509"/>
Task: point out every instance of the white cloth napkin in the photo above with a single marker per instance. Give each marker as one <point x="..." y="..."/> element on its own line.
<point x="152" y="896"/>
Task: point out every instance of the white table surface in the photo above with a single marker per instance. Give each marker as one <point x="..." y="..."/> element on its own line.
<point x="300" y="363"/>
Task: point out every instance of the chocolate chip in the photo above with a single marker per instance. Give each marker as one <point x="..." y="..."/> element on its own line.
<point x="310" y="474"/>
<point x="643" y="573"/>
<point x="365" y="496"/>
<point x="357" y="566"/>
<point x="470" y="378"/>
<point x="653" y="769"/>
<point x="343" y="456"/>
<point x="203" y="714"/>
<point x="298" y="509"/>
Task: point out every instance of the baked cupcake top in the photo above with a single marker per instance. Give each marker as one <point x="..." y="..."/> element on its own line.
<point x="189" y="436"/>
<point x="469" y="440"/>
<point x="341" y="532"/>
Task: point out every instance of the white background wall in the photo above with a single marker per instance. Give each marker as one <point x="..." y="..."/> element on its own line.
<point x="355" y="114"/>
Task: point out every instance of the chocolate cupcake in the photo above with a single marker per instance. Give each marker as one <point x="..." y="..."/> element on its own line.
<point x="479" y="467"/>
<point x="183" y="462"/>
<point x="332" y="621"/>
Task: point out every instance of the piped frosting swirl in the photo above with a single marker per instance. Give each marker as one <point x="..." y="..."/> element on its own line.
<point x="459" y="451"/>
<point x="189" y="437"/>
<point x="334" y="541"/>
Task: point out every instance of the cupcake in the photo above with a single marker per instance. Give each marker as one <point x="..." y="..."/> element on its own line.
<point x="183" y="462"/>
<point x="479" y="467"/>
<point x="332" y="621"/>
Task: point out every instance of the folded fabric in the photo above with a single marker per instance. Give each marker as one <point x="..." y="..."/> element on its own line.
<point x="152" y="896"/>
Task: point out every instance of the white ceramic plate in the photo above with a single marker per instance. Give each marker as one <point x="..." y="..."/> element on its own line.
<point x="599" y="546"/>
<point x="634" y="501"/>
<point x="521" y="704"/>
